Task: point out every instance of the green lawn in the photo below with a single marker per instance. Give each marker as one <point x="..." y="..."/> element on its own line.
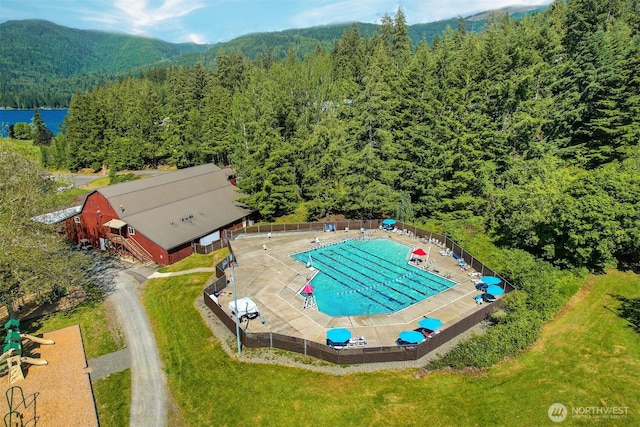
<point x="197" y="261"/>
<point x="113" y="397"/>
<point x="587" y="357"/>
<point x="100" y="334"/>
<point x="24" y="148"/>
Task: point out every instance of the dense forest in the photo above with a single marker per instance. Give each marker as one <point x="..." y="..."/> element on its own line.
<point x="303" y="41"/>
<point x="44" y="64"/>
<point x="529" y="128"/>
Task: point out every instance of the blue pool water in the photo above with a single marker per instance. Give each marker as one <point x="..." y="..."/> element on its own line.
<point x="360" y="277"/>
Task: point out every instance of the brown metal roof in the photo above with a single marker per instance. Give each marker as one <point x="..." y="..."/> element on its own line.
<point x="178" y="207"/>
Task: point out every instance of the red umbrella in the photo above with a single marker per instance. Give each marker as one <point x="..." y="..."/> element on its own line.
<point x="308" y="289"/>
<point x="419" y="252"/>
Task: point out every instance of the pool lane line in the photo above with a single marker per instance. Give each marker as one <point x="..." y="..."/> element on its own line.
<point x="409" y="276"/>
<point x="356" y="290"/>
<point x="390" y="279"/>
<point x="338" y="261"/>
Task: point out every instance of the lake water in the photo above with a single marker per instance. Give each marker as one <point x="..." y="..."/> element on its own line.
<point x="53" y="119"/>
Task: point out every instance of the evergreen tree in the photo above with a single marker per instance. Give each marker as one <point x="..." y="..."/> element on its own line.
<point x="40" y="134"/>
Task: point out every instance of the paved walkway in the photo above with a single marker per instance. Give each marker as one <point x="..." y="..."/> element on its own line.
<point x="179" y="273"/>
<point x="148" y="394"/>
<point x="108" y="364"/>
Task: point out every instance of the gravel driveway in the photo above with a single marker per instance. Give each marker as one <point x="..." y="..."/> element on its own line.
<point x="148" y="395"/>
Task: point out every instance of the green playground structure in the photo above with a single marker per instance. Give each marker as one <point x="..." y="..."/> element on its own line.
<point x="12" y="351"/>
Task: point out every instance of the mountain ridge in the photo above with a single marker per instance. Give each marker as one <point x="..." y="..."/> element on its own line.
<point x="44" y="63"/>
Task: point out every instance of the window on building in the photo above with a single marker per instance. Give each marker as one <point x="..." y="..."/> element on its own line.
<point x="76" y="219"/>
<point x="131" y="230"/>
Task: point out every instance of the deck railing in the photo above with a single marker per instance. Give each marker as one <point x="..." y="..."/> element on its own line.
<point x="357" y="354"/>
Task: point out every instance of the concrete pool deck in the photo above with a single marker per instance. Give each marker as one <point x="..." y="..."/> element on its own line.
<point x="272" y="279"/>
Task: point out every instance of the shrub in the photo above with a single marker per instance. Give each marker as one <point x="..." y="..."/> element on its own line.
<point x="515" y="332"/>
<point x="22" y="131"/>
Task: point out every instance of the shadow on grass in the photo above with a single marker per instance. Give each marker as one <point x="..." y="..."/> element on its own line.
<point x="629" y="263"/>
<point x="629" y="310"/>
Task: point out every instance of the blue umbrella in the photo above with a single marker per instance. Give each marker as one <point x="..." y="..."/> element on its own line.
<point x="491" y="280"/>
<point x="338" y="335"/>
<point x="388" y="221"/>
<point x="494" y="290"/>
<point x="412" y="337"/>
<point x="430" y="323"/>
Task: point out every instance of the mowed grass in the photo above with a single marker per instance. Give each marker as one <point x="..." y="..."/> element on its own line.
<point x="197" y="261"/>
<point x="587" y="357"/>
<point x="113" y="399"/>
<point x="100" y="333"/>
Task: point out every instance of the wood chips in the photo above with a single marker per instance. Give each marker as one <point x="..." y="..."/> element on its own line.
<point x="58" y="394"/>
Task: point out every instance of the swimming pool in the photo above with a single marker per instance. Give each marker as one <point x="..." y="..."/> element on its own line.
<point x="368" y="276"/>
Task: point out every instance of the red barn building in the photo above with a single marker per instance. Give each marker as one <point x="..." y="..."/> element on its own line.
<point x="161" y="218"/>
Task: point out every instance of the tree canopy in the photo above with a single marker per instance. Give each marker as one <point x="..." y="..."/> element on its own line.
<point x="33" y="260"/>
<point x="530" y="125"/>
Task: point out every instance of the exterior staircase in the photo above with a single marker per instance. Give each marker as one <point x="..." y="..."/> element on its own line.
<point x="133" y="247"/>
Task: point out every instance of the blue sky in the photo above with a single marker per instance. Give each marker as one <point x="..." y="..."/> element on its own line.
<point x="212" y="21"/>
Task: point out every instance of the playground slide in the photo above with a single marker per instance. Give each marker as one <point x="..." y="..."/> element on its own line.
<point x="45" y="341"/>
<point x="33" y="361"/>
<point x="7" y="354"/>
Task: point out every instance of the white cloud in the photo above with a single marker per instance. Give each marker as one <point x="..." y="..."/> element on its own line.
<point x="428" y="11"/>
<point x="197" y="38"/>
<point x="140" y="16"/>
<point x="416" y="11"/>
<point x="343" y="11"/>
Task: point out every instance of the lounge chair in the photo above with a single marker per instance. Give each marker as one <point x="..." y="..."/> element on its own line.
<point x="488" y="297"/>
<point x="427" y="333"/>
<point x="357" y="342"/>
<point x="403" y="343"/>
<point x="337" y="345"/>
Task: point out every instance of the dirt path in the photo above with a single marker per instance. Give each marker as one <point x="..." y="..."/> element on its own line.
<point x="148" y="395"/>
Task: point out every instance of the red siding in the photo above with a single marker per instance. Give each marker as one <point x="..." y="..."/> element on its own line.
<point x="158" y="254"/>
<point x="180" y="252"/>
<point x="97" y="211"/>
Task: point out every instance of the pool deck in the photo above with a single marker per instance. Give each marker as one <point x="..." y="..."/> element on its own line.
<point x="272" y="279"/>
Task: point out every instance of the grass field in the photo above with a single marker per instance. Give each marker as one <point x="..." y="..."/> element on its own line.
<point x="100" y="334"/>
<point x="24" y="148"/>
<point x="113" y="397"/>
<point x="197" y="261"/>
<point x="588" y="356"/>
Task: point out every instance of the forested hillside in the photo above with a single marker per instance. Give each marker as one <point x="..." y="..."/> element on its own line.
<point x="277" y="45"/>
<point x="43" y="64"/>
<point x="529" y="128"/>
